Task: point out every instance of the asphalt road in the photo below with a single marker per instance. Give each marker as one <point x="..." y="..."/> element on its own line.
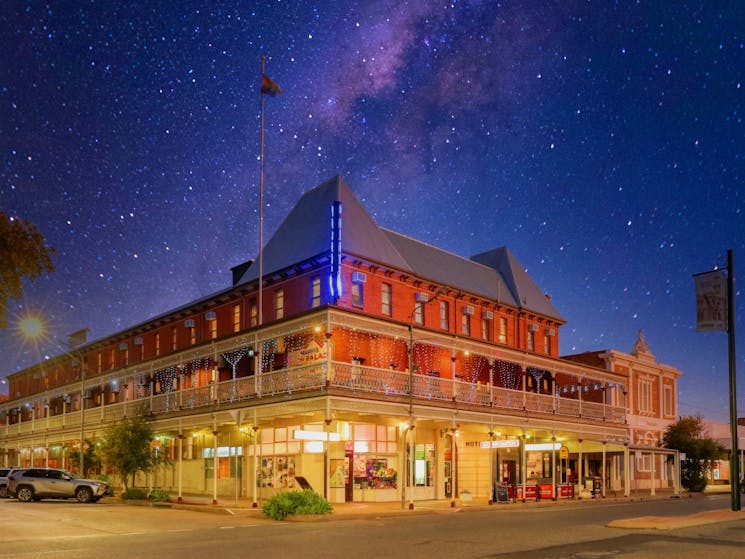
<point x="111" y="531"/>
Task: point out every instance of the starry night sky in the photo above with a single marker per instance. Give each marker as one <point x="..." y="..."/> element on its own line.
<point x="603" y="142"/>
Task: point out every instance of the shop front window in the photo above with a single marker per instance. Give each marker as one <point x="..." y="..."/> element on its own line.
<point x="424" y="465"/>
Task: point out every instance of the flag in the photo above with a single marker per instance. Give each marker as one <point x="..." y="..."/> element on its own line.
<point x="711" y="301"/>
<point x="269" y="86"/>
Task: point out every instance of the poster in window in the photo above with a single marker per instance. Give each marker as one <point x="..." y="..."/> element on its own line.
<point x="338" y="474"/>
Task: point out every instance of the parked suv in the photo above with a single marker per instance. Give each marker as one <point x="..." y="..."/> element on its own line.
<point x="4" y="482"/>
<point x="32" y="484"/>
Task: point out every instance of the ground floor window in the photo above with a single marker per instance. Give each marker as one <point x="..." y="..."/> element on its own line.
<point x="229" y="463"/>
<point x="425" y="465"/>
<point x="277" y="472"/>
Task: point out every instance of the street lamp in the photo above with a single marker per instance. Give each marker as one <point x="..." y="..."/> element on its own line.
<point x="422" y="300"/>
<point x="33" y="328"/>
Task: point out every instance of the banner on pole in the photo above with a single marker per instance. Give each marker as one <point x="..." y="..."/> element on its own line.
<point x="711" y="301"/>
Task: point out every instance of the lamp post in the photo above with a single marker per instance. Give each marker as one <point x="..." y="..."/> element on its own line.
<point x="422" y="300"/>
<point x="33" y="328"/>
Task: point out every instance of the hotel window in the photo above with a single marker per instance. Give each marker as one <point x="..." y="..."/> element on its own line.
<point x="668" y="401"/>
<point x="142" y="352"/>
<point x="357" y="295"/>
<point x="174" y="339"/>
<point x="485" y="329"/>
<point x="419" y="312"/>
<point x="385" y="299"/>
<point x="236" y="318"/>
<point x="644" y="394"/>
<point x="192" y="335"/>
<point x="112" y="358"/>
<point x="444" y="315"/>
<point x="213" y="328"/>
<point x="157" y="343"/>
<point x="100" y="362"/>
<point x="546" y="345"/>
<point x="254" y="313"/>
<point x="125" y="353"/>
<point x="502" y="330"/>
<point x="279" y="304"/>
<point x="531" y="341"/>
<point x="315" y="292"/>
<point x="465" y="324"/>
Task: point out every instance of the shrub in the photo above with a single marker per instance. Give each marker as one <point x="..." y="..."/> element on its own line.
<point x="134" y="493"/>
<point x="159" y="496"/>
<point x="295" y="502"/>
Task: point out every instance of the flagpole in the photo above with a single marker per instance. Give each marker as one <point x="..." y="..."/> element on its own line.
<point x="734" y="458"/>
<point x="261" y="201"/>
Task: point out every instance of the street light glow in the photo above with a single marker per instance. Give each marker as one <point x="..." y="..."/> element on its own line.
<point x="31" y="326"/>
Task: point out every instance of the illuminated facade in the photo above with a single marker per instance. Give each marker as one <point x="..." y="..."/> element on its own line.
<point x="382" y="368"/>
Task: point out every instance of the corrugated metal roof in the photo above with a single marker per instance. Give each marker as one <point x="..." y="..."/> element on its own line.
<point x="306" y="234"/>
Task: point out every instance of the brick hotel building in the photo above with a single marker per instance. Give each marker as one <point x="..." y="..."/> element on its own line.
<point x="382" y="369"/>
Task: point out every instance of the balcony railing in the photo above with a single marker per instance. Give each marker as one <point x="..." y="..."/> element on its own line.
<point x="345" y="376"/>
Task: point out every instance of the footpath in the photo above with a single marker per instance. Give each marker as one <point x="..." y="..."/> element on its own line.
<point x="346" y="511"/>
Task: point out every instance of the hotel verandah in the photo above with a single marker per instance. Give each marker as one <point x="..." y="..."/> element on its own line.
<point x="384" y="369"/>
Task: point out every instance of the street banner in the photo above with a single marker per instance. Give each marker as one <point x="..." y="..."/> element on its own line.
<point x="711" y="301"/>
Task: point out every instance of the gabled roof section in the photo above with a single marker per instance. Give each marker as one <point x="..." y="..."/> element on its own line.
<point x="524" y="290"/>
<point x="306" y="232"/>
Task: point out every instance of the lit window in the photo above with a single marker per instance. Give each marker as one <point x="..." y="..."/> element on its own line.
<point x="444" y="315"/>
<point x="100" y="361"/>
<point x="315" y="293"/>
<point x="126" y="357"/>
<point x="279" y="304"/>
<point x="142" y="351"/>
<point x="112" y="358"/>
<point x="465" y="324"/>
<point x="546" y="345"/>
<point x="236" y="318"/>
<point x="531" y="341"/>
<point x="174" y="339"/>
<point x="192" y="335"/>
<point x="485" y="329"/>
<point x="385" y="299"/>
<point x="419" y="312"/>
<point x="502" y="330"/>
<point x="254" y="313"/>
<point x="213" y="329"/>
<point x="157" y="343"/>
<point x="357" y="295"/>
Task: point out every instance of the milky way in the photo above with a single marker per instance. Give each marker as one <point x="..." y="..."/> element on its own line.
<point x="602" y="142"/>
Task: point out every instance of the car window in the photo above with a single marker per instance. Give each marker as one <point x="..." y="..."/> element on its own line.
<point x="54" y="474"/>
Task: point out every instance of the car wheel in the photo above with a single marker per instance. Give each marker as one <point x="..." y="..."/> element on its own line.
<point x="25" y="494"/>
<point x="84" y="495"/>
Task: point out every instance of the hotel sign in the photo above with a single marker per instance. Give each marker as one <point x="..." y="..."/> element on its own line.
<point x="502" y="443"/>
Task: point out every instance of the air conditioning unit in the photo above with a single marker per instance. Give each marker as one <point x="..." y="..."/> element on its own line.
<point x="550" y="331"/>
<point x="359" y="277"/>
<point x="488" y="315"/>
<point x="139" y="340"/>
<point x="422" y="297"/>
<point x="123" y="345"/>
<point x="468" y="309"/>
<point x="210" y="315"/>
<point x="189" y="323"/>
<point x="533" y="327"/>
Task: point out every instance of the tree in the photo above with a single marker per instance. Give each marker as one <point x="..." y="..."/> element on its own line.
<point x="127" y="447"/>
<point x="23" y="254"/>
<point x="91" y="459"/>
<point x="688" y="436"/>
